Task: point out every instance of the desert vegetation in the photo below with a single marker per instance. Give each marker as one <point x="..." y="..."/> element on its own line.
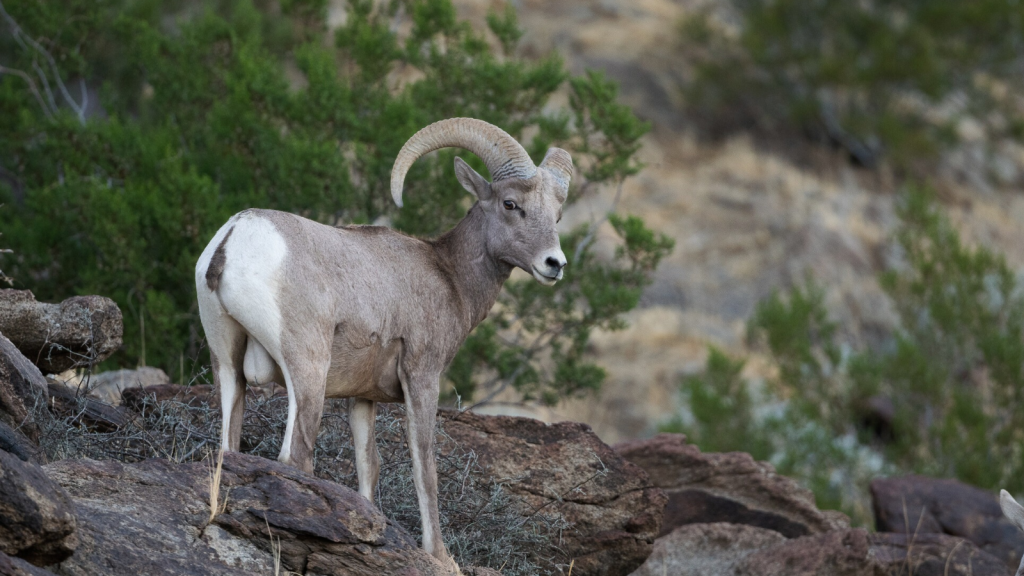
<point x="940" y="398"/>
<point x="889" y="82"/>
<point x="896" y="86"/>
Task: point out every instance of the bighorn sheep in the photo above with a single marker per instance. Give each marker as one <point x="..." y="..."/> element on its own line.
<point x="1015" y="513"/>
<point x="367" y="313"/>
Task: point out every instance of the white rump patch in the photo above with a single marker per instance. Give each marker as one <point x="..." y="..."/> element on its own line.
<point x="251" y="283"/>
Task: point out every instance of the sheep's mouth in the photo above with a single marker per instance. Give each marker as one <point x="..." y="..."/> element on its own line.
<point x="545" y="279"/>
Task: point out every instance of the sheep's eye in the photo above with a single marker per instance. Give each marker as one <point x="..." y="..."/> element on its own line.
<point x="509" y="205"/>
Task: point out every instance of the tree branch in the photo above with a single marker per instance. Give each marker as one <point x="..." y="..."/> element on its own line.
<point x="26" y="41"/>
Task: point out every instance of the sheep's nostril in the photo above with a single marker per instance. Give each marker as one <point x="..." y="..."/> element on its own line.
<point x="554" y="263"/>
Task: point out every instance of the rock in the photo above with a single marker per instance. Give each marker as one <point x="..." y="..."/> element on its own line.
<point x="151" y="518"/>
<point x="108" y="386"/>
<point x="932" y="555"/>
<point x="136" y="398"/>
<point x="18" y="567"/>
<point x="837" y="553"/>
<point x="21" y="384"/>
<point x="921" y="505"/>
<point x="706" y="549"/>
<point x="564" y="469"/>
<point x="88" y="411"/>
<point x="19" y="445"/>
<point x="37" y="520"/>
<point x="730" y="487"/>
<point x="80" y="331"/>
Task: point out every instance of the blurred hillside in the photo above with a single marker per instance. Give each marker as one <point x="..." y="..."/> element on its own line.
<point x="749" y="214"/>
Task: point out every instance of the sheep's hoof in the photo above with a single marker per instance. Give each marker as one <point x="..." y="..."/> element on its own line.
<point x="452" y="567"/>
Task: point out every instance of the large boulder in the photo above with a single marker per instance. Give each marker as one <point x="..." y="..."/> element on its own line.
<point x="37" y="520"/>
<point x="17" y="567"/>
<point x="564" y="469"/>
<point x="933" y="555"/>
<point x="79" y="331"/>
<point x="21" y="384"/>
<point x="740" y="550"/>
<point x="15" y="442"/>
<point x="151" y="518"/>
<point x="706" y="549"/>
<point x="726" y="487"/>
<point x="84" y="410"/>
<point x="838" y="553"/>
<point x="922" y="505"/>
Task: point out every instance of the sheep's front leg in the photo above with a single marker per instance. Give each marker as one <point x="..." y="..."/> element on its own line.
<point x="421" y="410"/>
<point x="362" y="416"/>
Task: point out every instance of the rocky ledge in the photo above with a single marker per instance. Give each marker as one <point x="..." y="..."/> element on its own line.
<point x="729" y="515"/>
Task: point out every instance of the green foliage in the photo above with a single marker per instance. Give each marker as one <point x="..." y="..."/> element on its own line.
<point x="800" y="420"/>
<point x="535" y="341"/>
<point x="722" y="410"/>
<point x="957" y="373"/>
<point x="867" y="76"/>
<point x="954" y="375"/>
<point x="211" y="108"/>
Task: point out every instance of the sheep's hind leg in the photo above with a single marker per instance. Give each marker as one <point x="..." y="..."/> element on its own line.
<point x="306" y="379"/>
<point x="362" y="416"/>
<point x="226" y="339"/>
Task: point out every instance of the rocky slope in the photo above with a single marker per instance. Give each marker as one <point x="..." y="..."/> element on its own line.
<point x="728" y="515"/>
<point x="747" y="218"/>
<point x="642" y="508"/>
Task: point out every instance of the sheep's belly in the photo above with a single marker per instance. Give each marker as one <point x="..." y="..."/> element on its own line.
<point x="369" y="371"/>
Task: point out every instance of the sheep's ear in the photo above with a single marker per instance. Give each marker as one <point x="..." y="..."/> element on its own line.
<point x="1012" y="510"/>
<point x="474" y="183"/>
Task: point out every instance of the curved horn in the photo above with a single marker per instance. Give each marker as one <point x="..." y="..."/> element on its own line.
<point x="504" y="157"/>
<point x="559" y="162"/>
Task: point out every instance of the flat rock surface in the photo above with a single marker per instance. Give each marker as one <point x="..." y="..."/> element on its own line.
<point x="151" y="518"/>
<point x="922" y="505"/>
<point x="933" y="555"/>
<point x="565" y="469"/>
<point x="37" y="520"/>
<point x="108" y="386"/>
<point x="839" y="553"/>
<point x="706" y="549"/>
<point x="80" y="331"/>
<point x="726" y="487"/>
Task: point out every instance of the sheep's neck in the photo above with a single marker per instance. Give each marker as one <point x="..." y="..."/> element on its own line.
<point x="476" y="276"/>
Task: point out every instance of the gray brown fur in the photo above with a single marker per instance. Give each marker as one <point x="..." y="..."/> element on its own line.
<point x="217" y="264"/>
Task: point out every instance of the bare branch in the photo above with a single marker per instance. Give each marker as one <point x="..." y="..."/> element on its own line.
<point x="27" y="41"/>
<point x="31" y="86"/>
<point x="594" y="225"/>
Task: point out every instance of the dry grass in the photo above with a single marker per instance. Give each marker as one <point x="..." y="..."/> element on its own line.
<point x="481" y="523"/>
<point x="215" y="474"/>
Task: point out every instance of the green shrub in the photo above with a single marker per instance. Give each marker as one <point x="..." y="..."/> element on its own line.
<point x="954" y="374"/>
<point x="199" y="120"/>
<point x="866" y="76"/>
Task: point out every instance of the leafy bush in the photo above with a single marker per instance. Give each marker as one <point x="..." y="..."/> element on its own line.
<point x="953" y="375"/>
<point x="209" y="108"/>
<point x="883" y="77"/>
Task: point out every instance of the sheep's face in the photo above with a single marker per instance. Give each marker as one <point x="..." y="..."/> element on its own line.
<point x="522" y="217"/>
